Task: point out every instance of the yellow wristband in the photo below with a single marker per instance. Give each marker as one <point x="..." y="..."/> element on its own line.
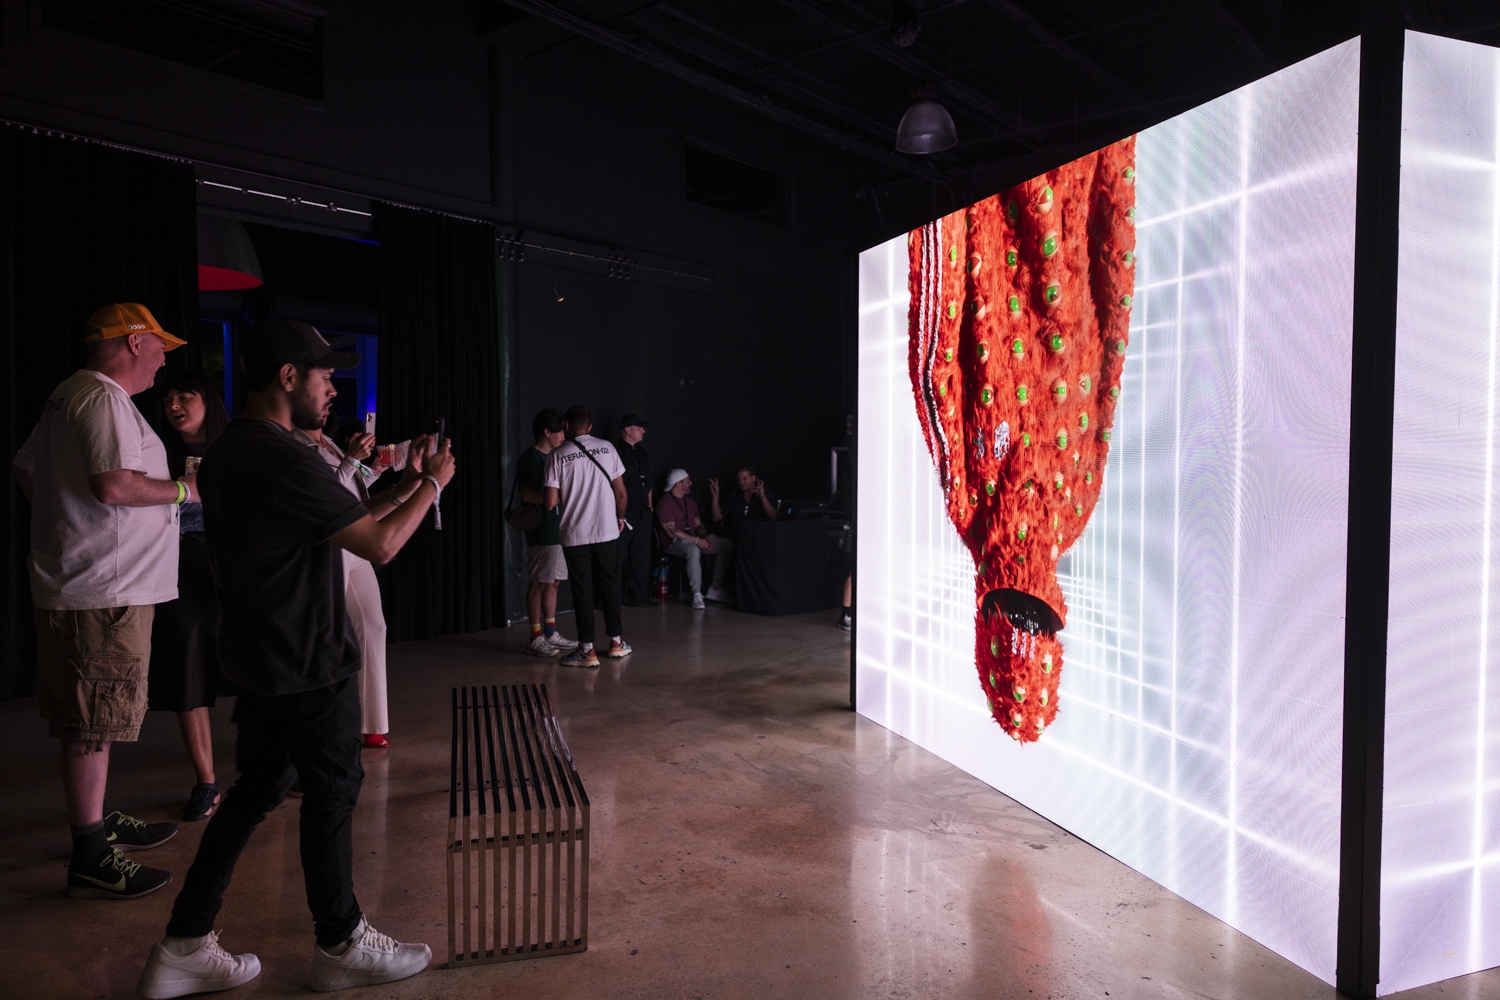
<point x="182" y="492"/>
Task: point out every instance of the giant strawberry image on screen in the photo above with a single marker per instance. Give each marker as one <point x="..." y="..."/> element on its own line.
<point x="1020" y="319"/>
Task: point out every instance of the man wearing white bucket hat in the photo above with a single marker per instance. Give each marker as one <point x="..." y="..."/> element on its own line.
<point x="681" y="533"/>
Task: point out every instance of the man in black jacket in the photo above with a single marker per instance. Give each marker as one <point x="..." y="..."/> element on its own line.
<point x="635" y="545"/>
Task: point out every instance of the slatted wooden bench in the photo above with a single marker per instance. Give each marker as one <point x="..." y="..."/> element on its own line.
<point x="518" y="831"/>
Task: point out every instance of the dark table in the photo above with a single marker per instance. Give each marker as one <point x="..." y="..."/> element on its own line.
<point x="785" y="567"/>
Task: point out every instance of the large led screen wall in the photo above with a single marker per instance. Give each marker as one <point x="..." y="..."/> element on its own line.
<point x="1104" y="424"/>
<point x="1440" y="865"/>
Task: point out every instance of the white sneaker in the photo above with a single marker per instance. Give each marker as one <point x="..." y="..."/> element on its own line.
<point x="370" y="957"/>
<point x="698" y="604"/>
<point x="539" y="646"/>
<point x="557" y="642"/>
<point x="204" y="970"/>
<point x="715" y="594"/>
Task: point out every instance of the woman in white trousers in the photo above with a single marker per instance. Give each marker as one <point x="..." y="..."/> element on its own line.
<point x="362" y="598"/>
<point x="361" y="589"/>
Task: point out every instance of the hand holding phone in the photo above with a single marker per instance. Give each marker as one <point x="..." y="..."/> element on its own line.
<point x="440" y="464"/>
<point x="360" y="446"/>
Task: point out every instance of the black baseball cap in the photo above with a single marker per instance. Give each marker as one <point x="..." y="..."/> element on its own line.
<point x="631" y="420"/>
<point x="277" y="342"/>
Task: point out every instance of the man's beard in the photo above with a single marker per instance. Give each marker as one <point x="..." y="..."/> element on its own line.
<point x="307" y="415"/>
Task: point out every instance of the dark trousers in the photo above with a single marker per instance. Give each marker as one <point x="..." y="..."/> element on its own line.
<point x="313" y="736"/>
<point x="635" y="557"/>
<point x="591" y="567"/>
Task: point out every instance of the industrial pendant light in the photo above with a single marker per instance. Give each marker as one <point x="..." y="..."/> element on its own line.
<point x="226" y="258"/>
<point x="926" y="127"/>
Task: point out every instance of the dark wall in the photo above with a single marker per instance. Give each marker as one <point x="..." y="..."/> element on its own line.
<point x="404" y="111"/>
<point x="747" y="376"/>
<point x="744" y="371"/>
<point x="559" y="136"/>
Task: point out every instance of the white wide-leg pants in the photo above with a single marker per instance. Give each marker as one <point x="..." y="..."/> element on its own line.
<point x="362" y="598"/>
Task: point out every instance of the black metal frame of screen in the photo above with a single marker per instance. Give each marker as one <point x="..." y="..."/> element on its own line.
<point x="1371" y="422"/>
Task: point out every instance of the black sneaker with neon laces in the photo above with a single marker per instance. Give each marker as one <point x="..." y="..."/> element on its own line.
<point x="113" y="876"/>
<point x="130" y="834"/>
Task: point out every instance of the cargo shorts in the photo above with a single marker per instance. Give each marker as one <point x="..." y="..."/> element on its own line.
<point x="91" y="672"/>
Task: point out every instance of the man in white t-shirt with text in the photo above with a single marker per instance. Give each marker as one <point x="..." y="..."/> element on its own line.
<point x="586" y="477"/>
<point x="103" y="555"/>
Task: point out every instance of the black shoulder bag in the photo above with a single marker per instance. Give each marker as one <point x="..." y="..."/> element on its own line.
<point x="528" y="516"/>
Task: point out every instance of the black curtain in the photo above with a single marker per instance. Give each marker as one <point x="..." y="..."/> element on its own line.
<point x="81" y="225"/>
<point x="440" y="357"/>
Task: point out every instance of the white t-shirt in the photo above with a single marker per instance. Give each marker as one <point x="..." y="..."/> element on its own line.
<point x="86" y="554"/>
<point x="589" y="513"/>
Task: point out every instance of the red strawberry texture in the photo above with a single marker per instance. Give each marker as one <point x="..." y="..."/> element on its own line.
<point x="1019" y="324"/>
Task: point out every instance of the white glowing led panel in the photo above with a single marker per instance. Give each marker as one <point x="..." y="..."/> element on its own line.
<point x="1440" y="865"/>
<point x="1198" y="727"/>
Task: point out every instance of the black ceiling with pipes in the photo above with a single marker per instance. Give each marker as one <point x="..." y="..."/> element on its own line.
<point x="1029" y="83"/>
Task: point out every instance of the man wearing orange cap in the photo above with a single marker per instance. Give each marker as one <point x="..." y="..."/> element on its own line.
<point x="103" y="554"/>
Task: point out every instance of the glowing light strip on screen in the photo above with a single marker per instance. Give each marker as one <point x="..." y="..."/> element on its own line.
<point x="1476" y="892"/>
<point x="1081" y="593"/>
<point x="1196" y="810"/>
<point x="1232" y="879"/>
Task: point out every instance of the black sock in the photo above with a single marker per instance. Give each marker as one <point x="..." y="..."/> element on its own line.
<point x="88" y="842"/>
<point x="847" y="608"/>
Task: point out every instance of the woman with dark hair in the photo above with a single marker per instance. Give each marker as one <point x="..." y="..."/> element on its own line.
<point x="184" y="664"/>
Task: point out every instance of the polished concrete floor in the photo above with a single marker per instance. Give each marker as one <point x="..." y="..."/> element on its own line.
<point x="752" y="838"/>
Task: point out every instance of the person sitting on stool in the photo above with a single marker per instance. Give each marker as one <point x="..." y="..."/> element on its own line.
<point x="681" y="533"/>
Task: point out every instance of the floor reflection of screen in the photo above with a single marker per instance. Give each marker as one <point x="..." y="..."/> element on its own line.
<point x="1197" y="735"/>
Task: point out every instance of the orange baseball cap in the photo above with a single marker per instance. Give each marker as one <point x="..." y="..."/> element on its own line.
<point x="124" y="318"/>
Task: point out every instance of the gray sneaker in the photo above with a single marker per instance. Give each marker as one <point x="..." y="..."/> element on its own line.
<point x="539" y="646"/>
<point x="557" y="642"/>
<point x="581" y="658"/>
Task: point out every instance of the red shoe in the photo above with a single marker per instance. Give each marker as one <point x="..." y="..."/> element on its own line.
<point x="377" y="741"/>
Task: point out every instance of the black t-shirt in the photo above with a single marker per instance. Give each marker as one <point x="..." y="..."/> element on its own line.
<point x="735" y="508"/>
<point x="270" y="504"/>
<point x="531" y="474"/>
<point x="637" y="474"/>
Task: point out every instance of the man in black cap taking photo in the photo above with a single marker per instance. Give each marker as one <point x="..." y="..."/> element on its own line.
<point x="635" y="545"/>
<point x="276" y="517"/>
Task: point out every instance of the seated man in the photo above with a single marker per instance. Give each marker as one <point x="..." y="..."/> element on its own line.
<point x="681" y="533"/>
<point x="747" y="503"/>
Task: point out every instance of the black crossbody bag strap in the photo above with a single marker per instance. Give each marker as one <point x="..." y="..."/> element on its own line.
<point x="591" y="458"/>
